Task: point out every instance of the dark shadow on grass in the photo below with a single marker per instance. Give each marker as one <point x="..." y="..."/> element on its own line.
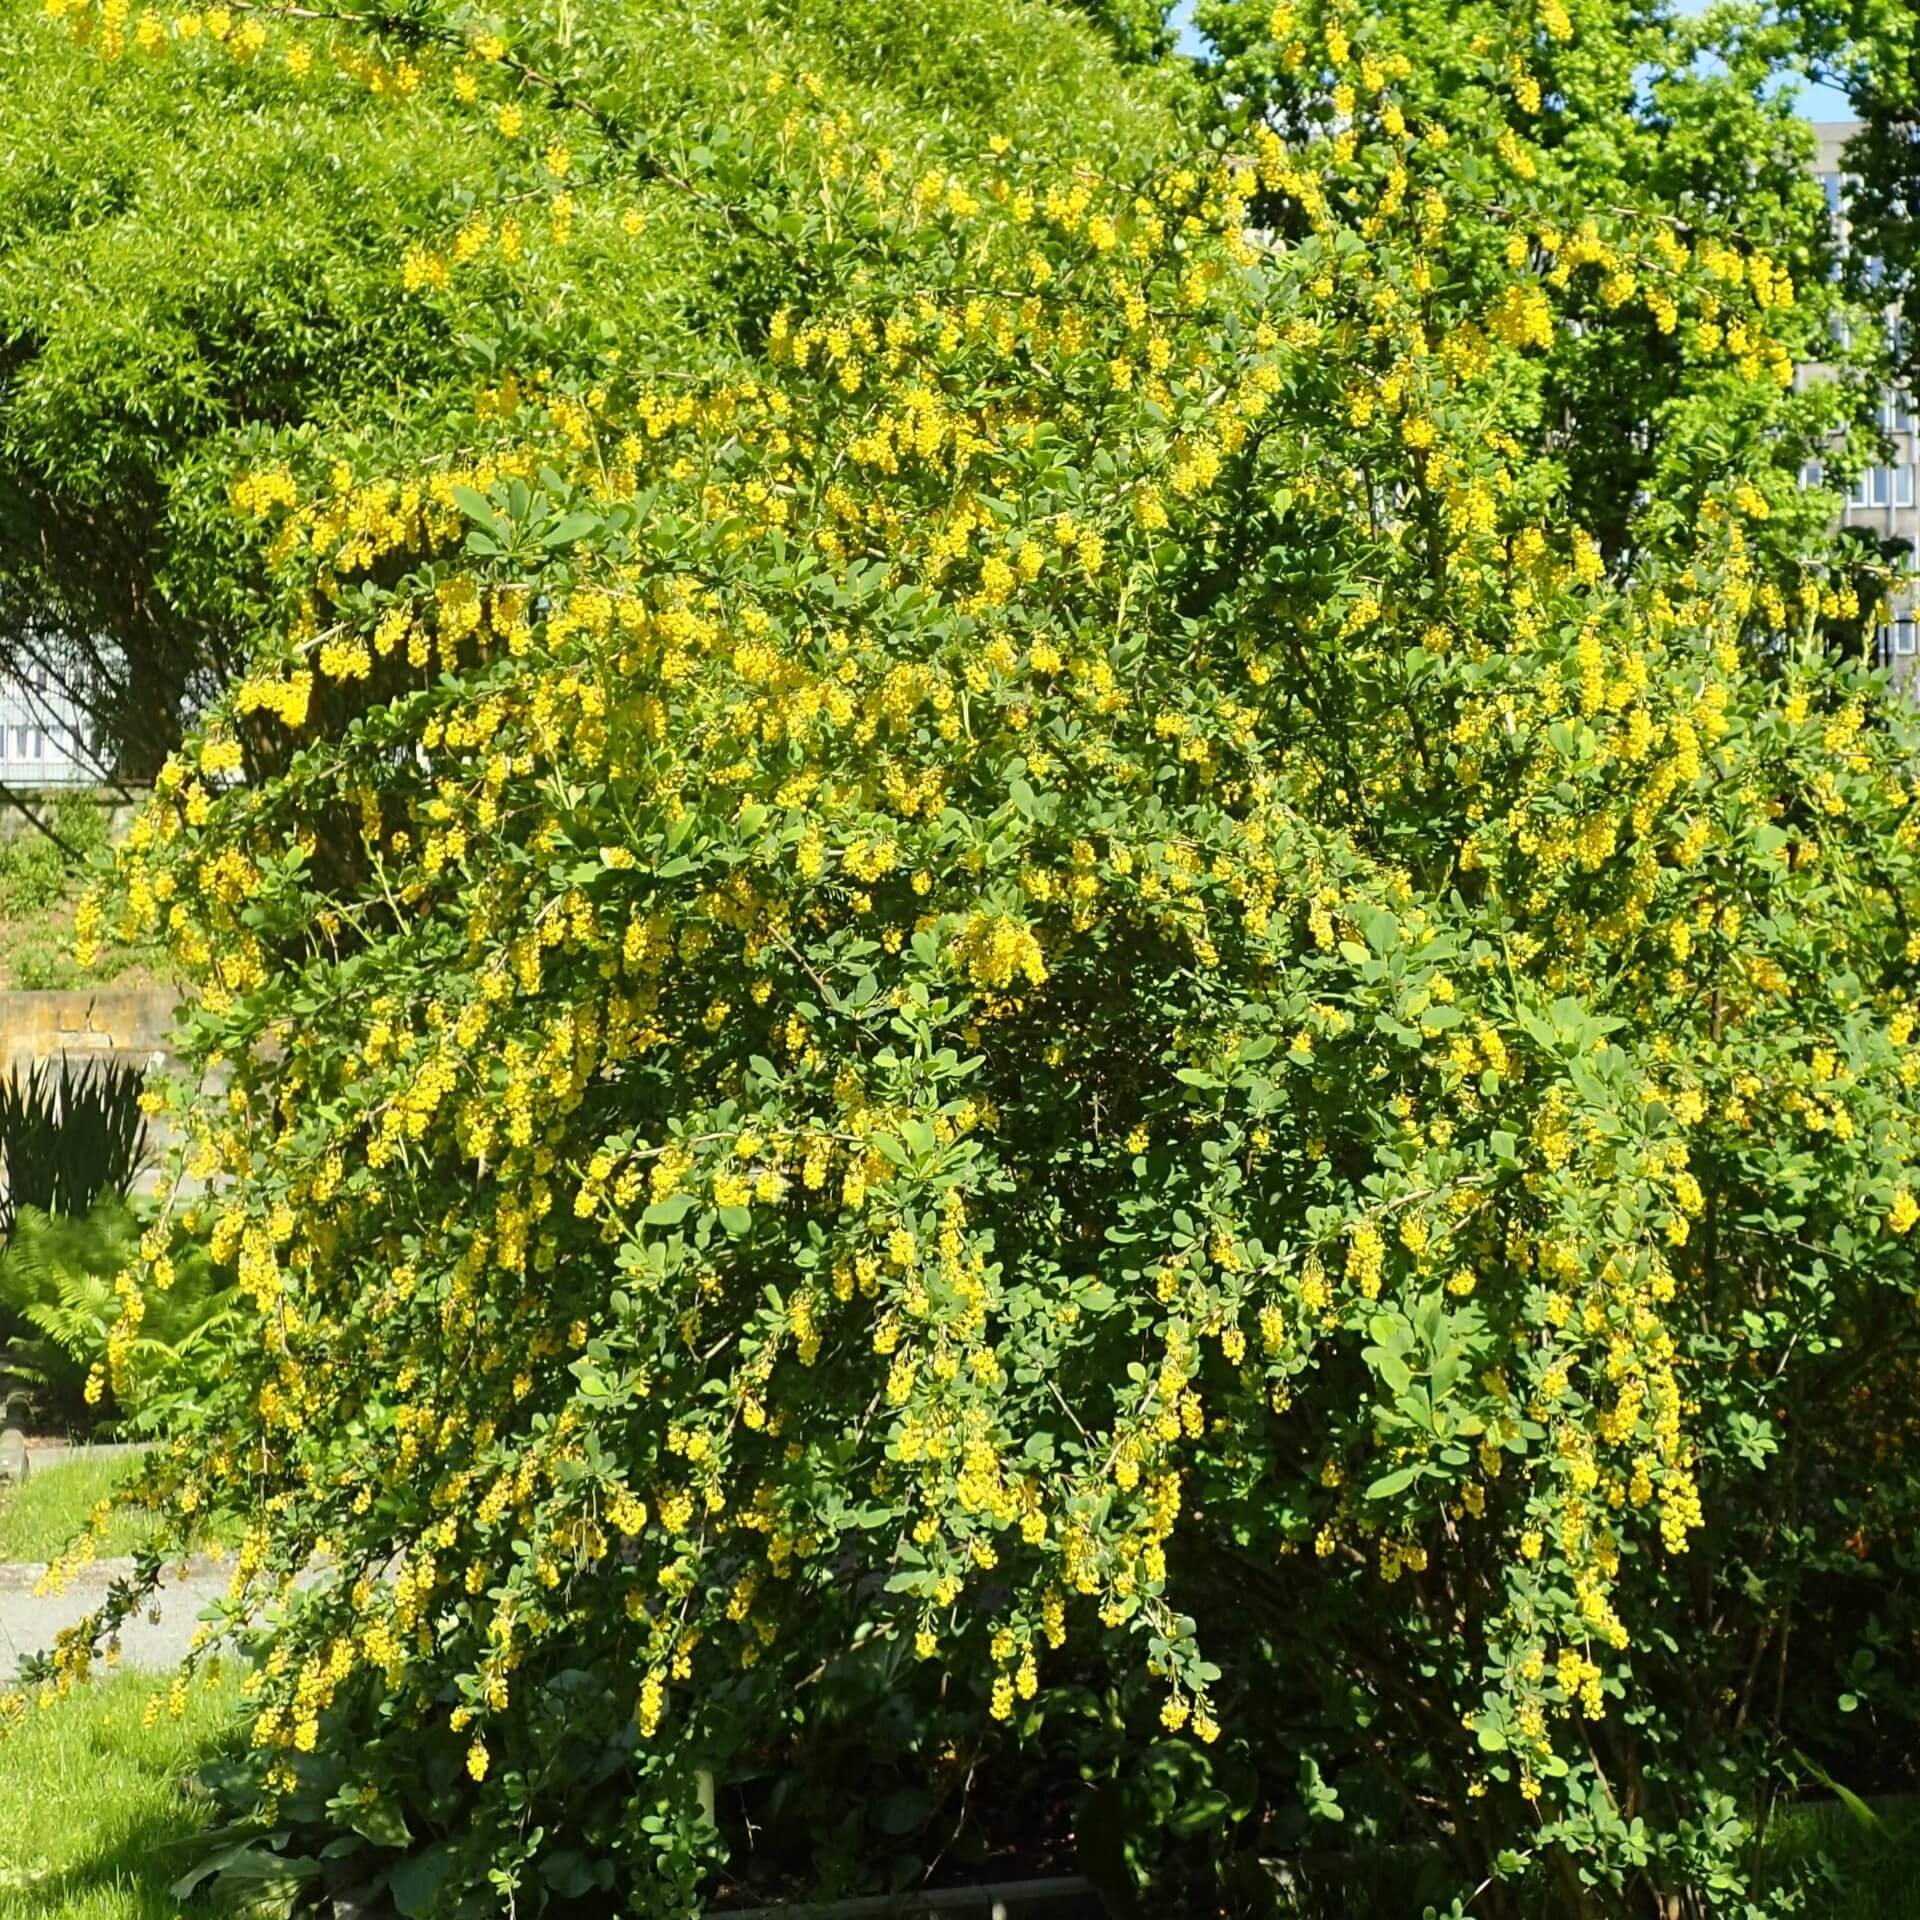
<point x="139" y="1864"/>
<point x="1847" y="1871"/>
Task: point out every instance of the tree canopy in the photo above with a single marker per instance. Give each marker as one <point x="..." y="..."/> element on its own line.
<point x="201" y="261"/>
<point x="1871" y="49"/>
<point x="198" y="259"/>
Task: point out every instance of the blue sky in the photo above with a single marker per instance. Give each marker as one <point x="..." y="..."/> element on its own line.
<point x="1816" y="102"/>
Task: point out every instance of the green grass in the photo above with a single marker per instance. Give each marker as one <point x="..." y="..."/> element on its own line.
<point x="98" y="1812"/>
<point x="1849" y="1872"/>
<point x="38" y="1519"/>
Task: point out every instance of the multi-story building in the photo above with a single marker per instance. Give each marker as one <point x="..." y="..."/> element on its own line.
<point x="1885" y="498"/>
<point x="46" y="739"/>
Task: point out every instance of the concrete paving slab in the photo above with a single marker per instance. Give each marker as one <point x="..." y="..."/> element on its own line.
<point x="154" y="1639"/>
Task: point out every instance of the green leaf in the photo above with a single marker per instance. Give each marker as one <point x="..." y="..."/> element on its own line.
<point x="903" y="1812"/>
<point x="1864" y="1816"/>
<point x="416" y="1882"/>
<point x="571" y="1874"/>
<point x="483" y="513"/>
<point x="382" y="1822"/>
<point x="248" y="1861"/>
<point x="1208" y="1808"/>
<point x="1320" y="1799"/>
<point x="1391" y="1483"/>
<point x="576" y="526"/>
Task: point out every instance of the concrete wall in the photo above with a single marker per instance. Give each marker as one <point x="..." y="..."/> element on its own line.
<point x="133" y="1022"/>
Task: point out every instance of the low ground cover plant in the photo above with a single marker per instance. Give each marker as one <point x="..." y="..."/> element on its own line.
<point x="71" y="1132"/>
<point x="68" y="1340"/>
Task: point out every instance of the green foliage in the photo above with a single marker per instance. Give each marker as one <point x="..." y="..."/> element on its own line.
<point x="1081" y="996"/>
<point x="1844" y="1862"/>
<point x="1674" y="116"/>
<point x="36" y="868"/>
<point x="62" y="1297"/>
<point x="67" y="1138"/>
<point x="1871" y="48"/>
<point x="199" y="266"/>
<point x="1139" y="29"/>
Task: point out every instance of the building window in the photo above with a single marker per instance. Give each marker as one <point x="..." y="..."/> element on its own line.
<point x="1882" y="487"/>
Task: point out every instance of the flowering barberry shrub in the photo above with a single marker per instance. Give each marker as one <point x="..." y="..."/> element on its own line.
<point x="1055" y="993"/>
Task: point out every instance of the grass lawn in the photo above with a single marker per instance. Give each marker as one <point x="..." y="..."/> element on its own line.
<point x="98" y="1812"/>
<point x="1866" y="1875"/>
<point x="38" y="1519"/>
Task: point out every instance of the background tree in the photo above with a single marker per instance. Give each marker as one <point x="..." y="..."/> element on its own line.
<point x="1678" y="120"/>
<point x="199" y="265"/>
<point x="1871" y="49"/>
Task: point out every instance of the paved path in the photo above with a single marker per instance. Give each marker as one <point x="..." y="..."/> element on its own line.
<point x="155" y="1639"/>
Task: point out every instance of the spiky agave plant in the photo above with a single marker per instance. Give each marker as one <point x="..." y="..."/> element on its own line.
<point x="68" y="1138"/>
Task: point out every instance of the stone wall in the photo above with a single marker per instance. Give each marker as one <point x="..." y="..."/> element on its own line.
<point x="132" y="1022"/>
